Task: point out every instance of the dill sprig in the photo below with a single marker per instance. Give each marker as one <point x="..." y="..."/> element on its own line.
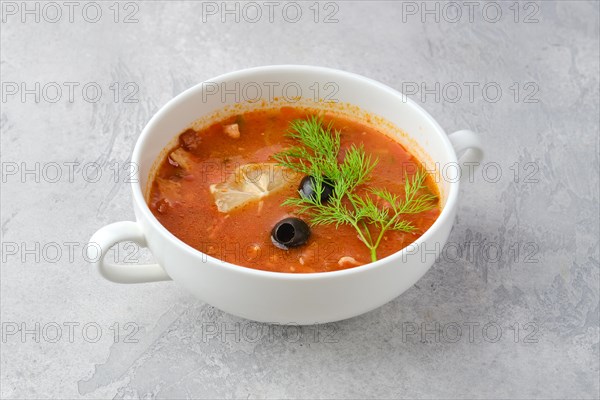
<point x="371" y="214"/>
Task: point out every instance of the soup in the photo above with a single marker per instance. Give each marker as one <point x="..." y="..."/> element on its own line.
<point x="293" y="190"/>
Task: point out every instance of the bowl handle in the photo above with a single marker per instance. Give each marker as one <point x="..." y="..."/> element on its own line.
<point x="468" y="149"/>
<point x="112" y="234"/>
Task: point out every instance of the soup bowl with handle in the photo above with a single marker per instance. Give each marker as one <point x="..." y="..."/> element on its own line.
<point x="277" y="297"/>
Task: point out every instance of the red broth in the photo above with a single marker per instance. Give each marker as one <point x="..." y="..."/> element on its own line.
<point x="181" y="200"/>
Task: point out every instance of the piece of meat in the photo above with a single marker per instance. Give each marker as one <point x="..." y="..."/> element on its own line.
<point x="170" y="194"/>
<point x="181" y="159"/>
<point x="347" y="261"/>
<point x="189" y="140"/>
<point x="233" y="131"/>
<point x="163" y="205"/>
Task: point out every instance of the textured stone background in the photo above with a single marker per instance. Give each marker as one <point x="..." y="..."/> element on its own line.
<point x="527" y="285"/>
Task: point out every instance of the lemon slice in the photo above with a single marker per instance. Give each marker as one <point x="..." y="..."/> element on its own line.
<point x="248" y="183"/>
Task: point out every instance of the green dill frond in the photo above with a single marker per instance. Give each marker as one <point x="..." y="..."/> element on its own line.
<point x="317" y="155"/>
<point x="404" y="226"/>
<point x="357" y="166"/>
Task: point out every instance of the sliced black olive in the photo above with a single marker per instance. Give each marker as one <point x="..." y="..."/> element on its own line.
<point x="307" y="189"/>
<point x="290" y="232"/>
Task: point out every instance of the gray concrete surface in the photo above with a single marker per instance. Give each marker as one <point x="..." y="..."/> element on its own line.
<point x="509" y="311"/>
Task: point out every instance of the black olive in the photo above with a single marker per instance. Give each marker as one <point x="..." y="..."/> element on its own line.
<point x="307" y="189"/>
<point x="290" y="232"/>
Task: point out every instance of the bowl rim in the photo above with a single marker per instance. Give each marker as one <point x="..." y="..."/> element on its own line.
<point x="138" y="196"/>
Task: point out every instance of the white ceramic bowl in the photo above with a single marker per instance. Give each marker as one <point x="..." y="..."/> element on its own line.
<point x="286" y="297"/>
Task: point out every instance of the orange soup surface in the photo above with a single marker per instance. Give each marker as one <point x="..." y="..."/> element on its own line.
<point x="180" y="196"/>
